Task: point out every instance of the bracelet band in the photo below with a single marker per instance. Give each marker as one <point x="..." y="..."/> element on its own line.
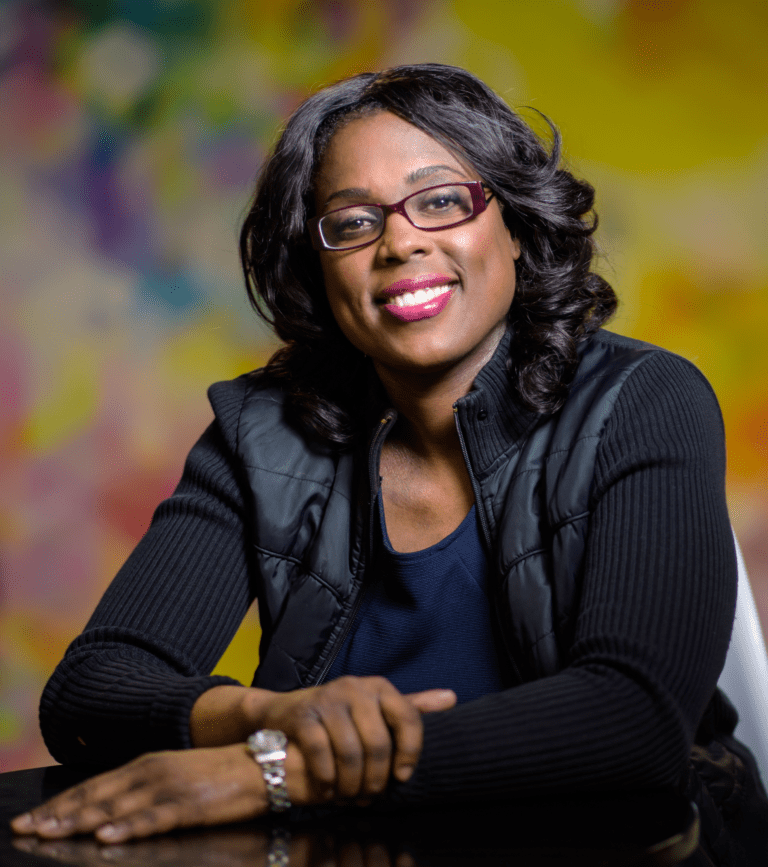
<point x="268" y="748"/>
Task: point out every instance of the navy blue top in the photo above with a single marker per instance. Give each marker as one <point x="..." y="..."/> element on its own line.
<point x="425" y="618"/>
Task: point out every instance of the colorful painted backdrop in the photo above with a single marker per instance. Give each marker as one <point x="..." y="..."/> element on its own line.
<point x="131" y="134"/>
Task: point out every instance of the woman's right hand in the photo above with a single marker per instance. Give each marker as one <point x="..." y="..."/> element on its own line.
<point x="355" y="731"/>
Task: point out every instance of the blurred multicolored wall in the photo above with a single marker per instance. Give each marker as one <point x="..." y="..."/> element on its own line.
<point x="131" y="132"/>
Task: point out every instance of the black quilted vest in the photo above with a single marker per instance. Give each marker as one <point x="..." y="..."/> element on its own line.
<point x="532" y="477"/>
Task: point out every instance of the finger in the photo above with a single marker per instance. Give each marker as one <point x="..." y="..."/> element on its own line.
<point x="142" y="823"/>
<point x="59" y="816"/>
<point x="376" y="742"/>
<point x="222" y="792"/>
<point x="404" y="720"/>
<point x="347" y="750"/>
<point x="432" y="700"/>
<point x="312" y="739"/>
<point x="98" y="813"/>
<point x="97" y="801"/>
<point x="111" y="811"/>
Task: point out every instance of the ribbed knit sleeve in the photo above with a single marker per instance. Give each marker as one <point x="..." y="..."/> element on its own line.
<point x="128" y="683"/>
<point x="655" y="616"/>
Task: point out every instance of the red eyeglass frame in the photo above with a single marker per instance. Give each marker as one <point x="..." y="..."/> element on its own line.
<point x="476" y="191"/>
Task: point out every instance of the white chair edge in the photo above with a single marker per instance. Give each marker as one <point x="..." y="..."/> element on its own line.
<point x="744" y="678"/>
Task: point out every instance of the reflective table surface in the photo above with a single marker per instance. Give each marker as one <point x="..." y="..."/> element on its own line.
<point x="618" y="831"/>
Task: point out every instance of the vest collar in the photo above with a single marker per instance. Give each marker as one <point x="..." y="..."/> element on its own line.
<point x="492" y="417"/>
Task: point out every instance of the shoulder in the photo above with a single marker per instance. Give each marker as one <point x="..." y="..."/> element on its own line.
<point x="636" y="403"/>
<point x="229" y="397"/>
<point x="607" y="353"/>
<point x="249" y="396"/>
<point x="633" y="369"/>
<point x="252" y="412"/>
<point x="656" y="371"/>
<point x="664" y="410"/>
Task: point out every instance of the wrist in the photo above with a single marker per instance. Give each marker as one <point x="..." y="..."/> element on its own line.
<point x="253" y="710"/>
<point x="301" y="791"/>
<point x="252" y="779"/>
<point x="221" y="716"/>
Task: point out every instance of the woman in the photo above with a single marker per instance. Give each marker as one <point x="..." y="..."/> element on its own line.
<point x="449" y="486"/>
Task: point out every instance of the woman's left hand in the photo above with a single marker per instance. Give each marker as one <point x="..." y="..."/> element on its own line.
<point x="158" y="792"/>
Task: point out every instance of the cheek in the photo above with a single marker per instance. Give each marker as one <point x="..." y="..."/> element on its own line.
<point x="491" y="253"/>
<point x="487" y="237"/>
<point x="335" y="286"/>
<point x="341" y="279"/>
<point x="344" y="306"/>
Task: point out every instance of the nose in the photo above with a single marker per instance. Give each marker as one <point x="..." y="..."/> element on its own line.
<point x="401" y="240"/>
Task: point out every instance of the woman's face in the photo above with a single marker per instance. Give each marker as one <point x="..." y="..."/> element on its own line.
<point x="381" y="159"/>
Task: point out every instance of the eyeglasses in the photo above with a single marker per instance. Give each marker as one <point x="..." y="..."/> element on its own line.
<point x="431" y="209"/>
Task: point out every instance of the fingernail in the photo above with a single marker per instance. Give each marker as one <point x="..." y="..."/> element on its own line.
<point x="404" y="772"/>
<point x="109" y="832"/>
<point x="23" y="823"/>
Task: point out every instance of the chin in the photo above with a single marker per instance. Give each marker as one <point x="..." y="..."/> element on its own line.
<point x="432" y="360"/>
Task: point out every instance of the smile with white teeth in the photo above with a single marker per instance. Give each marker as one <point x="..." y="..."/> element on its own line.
<point x="420" y="296"/>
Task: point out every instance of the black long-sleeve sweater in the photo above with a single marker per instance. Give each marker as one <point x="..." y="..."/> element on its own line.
<point x="656" y="610"/>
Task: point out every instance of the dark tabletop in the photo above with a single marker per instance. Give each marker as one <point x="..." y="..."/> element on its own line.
<point x="618" y="831"/>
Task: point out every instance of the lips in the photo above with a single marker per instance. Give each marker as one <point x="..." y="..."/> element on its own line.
<point x="420" y="297"/>
<point x="412" y="284"/>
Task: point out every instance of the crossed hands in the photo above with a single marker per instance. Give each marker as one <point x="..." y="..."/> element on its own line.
<point x="346" y="739"/>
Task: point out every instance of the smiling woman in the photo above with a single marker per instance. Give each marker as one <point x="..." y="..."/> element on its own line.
<point x="547" y="212"/>
<point x="488" y="539"/>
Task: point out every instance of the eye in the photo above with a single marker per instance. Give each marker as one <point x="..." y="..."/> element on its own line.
<point x="441" y="200"/>
<point x="354" y="224"/>
<point x="441" y="205"/>
<point x="350" y="223"/>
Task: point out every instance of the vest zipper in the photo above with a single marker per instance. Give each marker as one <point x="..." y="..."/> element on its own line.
<point x="473" y="481"/>
<point x="373" y="486"/>
<point x="484" y="527"/>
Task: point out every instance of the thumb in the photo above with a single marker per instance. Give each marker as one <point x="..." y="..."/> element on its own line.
<point x="432" y="700"/>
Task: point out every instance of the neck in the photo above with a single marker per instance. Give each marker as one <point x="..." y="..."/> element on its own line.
<point x="424" y="401"/>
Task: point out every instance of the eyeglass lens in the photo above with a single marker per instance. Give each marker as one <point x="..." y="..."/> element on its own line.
<point x="438" y="207"/>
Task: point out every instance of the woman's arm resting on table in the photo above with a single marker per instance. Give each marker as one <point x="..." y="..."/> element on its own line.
<point x="161" y="791"/>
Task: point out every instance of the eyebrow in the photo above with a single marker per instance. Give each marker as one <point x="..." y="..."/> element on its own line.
<point x="360" y="193"/>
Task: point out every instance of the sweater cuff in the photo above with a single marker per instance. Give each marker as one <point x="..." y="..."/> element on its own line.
<point x="151" y="713"/>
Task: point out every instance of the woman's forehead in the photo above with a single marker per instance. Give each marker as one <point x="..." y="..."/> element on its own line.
<point x="383" y="150"/>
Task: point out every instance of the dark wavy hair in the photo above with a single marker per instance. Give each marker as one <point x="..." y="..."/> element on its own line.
<point x="558" y="301"/>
